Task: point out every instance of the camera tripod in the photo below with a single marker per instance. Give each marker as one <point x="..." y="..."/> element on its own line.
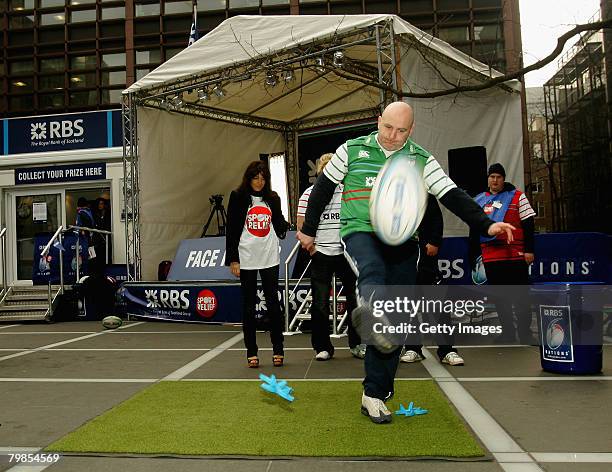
<point x="218" y="211"/>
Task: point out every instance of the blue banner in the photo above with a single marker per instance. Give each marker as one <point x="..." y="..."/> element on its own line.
<point x="204" y="259"/>
<point x="99" y="129"/>
<point x="60" y="173"/>
<point x="213" y="302"/>
<point x="559" y="257"/>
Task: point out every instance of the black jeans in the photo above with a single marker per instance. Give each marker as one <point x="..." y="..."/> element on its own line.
<point x="269" y="282"/>
<point x="512" y="273"/>
<point x="427" y="274"/>
<point x="377" y="265"/>
<point x="322" y="269"/>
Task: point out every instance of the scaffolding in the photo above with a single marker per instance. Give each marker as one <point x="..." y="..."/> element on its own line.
<point x="578" y="155"/>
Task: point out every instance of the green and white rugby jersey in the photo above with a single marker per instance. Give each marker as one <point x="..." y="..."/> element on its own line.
<point x="356" y="164"/>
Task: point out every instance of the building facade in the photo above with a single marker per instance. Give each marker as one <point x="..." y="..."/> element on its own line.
<point x="75" y="55"/>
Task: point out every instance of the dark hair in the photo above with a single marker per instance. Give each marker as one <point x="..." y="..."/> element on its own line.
<point x="253" y="170"/>
<point x="82" y="202"/>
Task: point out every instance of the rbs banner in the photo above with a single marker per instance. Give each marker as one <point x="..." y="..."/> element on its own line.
<point x="36" y="134"/>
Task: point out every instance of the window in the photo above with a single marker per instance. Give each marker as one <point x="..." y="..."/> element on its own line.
<point x="151" y="56"/>
<point x="53" y="19"/>
<point x="83" y="80"/>
<point x="243" y="3"/>
<point x="80" y="16"/>
<point x="18" y="5"/>
<point x="51" y="82"/>
<point x="113" y="78"/>
<point x="454" y="34"/>
<point x="540" y="210"/>
<point x="212" y="5"/>
<point x="81" y="2"/>
<point x="24" y="102"/>
<point x="274" y="2"/>
<point x="52" y="3"/>
<point x="111" y="96"/>
<point x="83" y="98"/>
<point x="23" y="84"/>
<point x="21" y="67"/>
<point x="113" y="13"/>
<point x="54" y="64"/>
<point x="83" y="62"/>
<point x="21" y="21"/>
<point x="113" y="60"/>
<point x="149" y="9"/>
<point x="140" y="73"/>
<point x="537" y="151"/>
<point x="55" y="100"/>
<point x="177" y="7"/>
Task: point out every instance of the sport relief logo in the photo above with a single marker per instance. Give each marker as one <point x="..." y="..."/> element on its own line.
<point x="206" y="303"/>
<point x="258" y="221"/>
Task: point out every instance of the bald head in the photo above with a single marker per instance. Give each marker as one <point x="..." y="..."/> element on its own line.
<point x="395" y="125"/>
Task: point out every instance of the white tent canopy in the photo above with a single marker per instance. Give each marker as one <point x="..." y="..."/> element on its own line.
<point x="251" y="85"/>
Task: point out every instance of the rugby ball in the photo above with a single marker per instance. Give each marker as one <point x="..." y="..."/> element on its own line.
<point x="398" y="200"/>
<point x="479" y="276"/>
<point x="112" y="322"/>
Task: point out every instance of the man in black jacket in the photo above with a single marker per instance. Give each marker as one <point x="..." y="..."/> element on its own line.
<point x="431" y="232"/>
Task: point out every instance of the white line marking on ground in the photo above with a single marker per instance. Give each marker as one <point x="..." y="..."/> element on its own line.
<point x="49" y="346"/>
<point x="577" y="457"/>
<point x="17" y="449"/>
<point x="9" y="326"/>
<point x="346" y="379"/>
<point x="203" y="359"/>
<point x="533" y="379"/>
<point x="62" y="343"/>
<point x="492" y="435"/>
<point x="60" y="380"/>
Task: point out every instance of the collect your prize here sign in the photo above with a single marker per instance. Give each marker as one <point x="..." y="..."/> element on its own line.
<point x="60" y="173"/>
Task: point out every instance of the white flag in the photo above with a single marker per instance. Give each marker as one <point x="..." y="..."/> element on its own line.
<point x="193" y="34"/>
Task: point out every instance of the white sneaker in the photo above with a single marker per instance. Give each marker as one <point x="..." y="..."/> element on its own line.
<point x="359" y="351"/>
<point x="323" y="356"/>
<point x="452" y="358"/>
<point x="411" y="356"/>
<point x="375" y="409"/>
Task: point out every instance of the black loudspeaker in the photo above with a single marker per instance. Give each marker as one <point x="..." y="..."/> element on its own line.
<point x="468" y="168"/>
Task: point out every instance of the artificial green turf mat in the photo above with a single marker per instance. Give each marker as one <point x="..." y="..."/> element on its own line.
<point x="239" y="418"/>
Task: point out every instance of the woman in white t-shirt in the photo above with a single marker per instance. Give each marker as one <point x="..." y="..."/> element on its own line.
<point x="255" y="223"/>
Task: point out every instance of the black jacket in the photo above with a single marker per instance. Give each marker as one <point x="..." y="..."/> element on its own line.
<point x="237" y="208"/>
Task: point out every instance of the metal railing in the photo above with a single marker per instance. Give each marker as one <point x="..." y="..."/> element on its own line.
<point x="57" y="236"/>
<point x="92" y="230"/>
<point x="287" y="297"/>
<point x="3" y="244"/>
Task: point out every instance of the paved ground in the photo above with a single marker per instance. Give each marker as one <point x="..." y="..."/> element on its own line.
<point x="55" y="377"/>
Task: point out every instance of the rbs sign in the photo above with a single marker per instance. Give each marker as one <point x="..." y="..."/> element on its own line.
<point x="62" y="132"/>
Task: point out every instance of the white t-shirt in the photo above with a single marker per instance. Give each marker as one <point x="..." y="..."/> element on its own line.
<point x="327" y="239"/>
<point x="258" y="247"/>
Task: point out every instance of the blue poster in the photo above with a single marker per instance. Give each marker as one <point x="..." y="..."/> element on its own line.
<point x="556" y="333"/>
<point x="45" y="269"/>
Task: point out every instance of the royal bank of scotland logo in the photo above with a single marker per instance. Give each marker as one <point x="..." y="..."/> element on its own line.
<point x="38" y="131"/>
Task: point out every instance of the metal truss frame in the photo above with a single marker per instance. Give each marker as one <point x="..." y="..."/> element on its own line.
<point x="131" y="189"/>
<point x="380" y="34"/>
